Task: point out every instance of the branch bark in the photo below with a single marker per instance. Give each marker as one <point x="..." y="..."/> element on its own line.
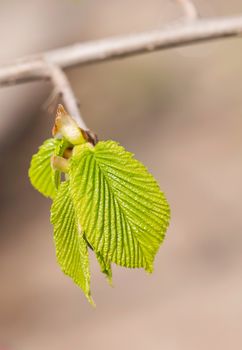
<point x="63" y="88"/>
<point x="33" y="68"/>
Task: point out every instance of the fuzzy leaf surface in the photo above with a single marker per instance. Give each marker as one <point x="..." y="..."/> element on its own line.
<point x="42" y="177"/>
<point x="118" y="203"/>
<point x="71" y="247"/>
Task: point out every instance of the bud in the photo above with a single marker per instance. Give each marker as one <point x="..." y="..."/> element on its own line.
<point x="67" y="127"/>
<point x="59" y="163"/>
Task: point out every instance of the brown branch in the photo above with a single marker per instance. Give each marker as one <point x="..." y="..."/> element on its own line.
<point x="31" y="68"/>
<point x="63" y="88"/>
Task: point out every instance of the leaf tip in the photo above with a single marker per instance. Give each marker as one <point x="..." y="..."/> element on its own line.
<point x="91" y="301"/>
<point x="110" y="282"/>
<point x="149" y="269"/>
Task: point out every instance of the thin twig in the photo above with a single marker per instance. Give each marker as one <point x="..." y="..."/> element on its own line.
<point x="63" y="87"/>
<point x="189" y="9"/>
<point x="201" y="30"/>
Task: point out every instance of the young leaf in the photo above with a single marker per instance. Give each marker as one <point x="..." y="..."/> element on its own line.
<point x="58" y="152"/>
<point x="71" y="247"/>
<point x="118" y="203"/>
<point x="42" y="176"/>
<point x="105" y="267"/>
<point x="40" y="171"/>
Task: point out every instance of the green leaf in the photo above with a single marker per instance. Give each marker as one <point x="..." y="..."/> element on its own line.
<point x="71" y="247"/>
<point x="42" y="176"/>
<point x="118" y="203"/>
<point x="105" y="267"/>
<point x="59" y="150"/>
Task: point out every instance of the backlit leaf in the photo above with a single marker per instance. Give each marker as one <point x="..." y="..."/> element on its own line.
<point x="105" y="267"/>
<point x="42" y="176"/>
<point x="118" y="203"/>
<point x="71" y="247"/>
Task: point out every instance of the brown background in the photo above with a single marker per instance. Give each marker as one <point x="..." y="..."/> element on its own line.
<point x="180" y="112"/>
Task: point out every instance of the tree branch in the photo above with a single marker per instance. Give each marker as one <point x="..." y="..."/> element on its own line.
<point x="63" y="88"/>
<point x="31" y="68"/>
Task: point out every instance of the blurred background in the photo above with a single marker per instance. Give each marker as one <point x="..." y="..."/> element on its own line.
<point x="180" y="112"/>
